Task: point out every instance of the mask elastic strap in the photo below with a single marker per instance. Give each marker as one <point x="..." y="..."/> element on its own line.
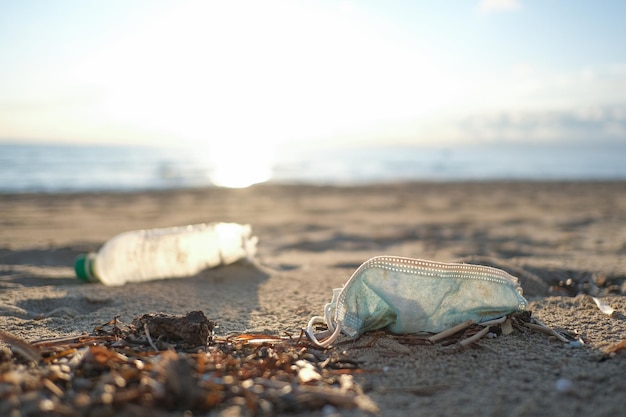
<point x="328" y="313"/>
<point x="327" y="337"/>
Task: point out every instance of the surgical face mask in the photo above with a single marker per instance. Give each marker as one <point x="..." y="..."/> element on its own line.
<point x="407" y="295"/>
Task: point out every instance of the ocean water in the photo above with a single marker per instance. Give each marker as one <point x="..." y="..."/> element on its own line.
<point x="74" y="168"/>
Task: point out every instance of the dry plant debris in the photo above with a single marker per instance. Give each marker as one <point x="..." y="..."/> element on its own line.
<point x="175" y="363"/>
<point x="467" y="334"/>
<point x="616" y="349"/>
<point x="161" y="362"/>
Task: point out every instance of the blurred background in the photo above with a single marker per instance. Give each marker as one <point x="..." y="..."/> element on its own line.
<point x="153" y="94"/>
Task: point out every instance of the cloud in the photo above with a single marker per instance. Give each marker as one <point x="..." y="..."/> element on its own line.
<point x="494" y="6"/>
<point x="585" y="125"/>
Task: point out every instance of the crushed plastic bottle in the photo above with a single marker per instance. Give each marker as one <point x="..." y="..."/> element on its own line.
<point x="174" y="252"/>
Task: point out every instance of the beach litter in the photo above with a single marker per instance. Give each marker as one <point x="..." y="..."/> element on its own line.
<point x="172" y="252"/>
<point x="406" y="296"/>
<point x="430" y="302"/>
<point x="603" y="306"/>
<point x="165" y="362"/>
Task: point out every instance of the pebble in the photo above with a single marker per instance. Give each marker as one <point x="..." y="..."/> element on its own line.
<point x="330" y="411"/>
<point x="564" y="386"/>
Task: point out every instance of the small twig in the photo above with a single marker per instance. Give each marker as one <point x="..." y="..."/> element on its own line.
<point x="52" y="387"/>
<point x="302" y="333"/>
<point x="21" y="346"/>
<point x="494" y="321"/>
<point x="447" y="333"/>
<point x="472" y="339"/>
<point x="545" y="329"/>
<point x="69" y="339"/>
<point x="145" y="329"/>
<point x="540" y="326"/>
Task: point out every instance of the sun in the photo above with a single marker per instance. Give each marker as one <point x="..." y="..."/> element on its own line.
<point x="238" y="164"/>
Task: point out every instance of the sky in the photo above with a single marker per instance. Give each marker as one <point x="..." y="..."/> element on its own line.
<point x="272" y="73"/>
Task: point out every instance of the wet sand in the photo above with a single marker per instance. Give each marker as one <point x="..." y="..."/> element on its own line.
<point x="311" y="240"/>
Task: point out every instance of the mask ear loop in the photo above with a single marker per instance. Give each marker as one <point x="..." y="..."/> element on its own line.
<point x="327" y="337"/>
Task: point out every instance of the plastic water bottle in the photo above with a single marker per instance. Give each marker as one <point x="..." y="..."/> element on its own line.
<point x="174" y="252"/>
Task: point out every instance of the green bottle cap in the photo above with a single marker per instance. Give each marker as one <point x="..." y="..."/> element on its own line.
<point x="83" y="266"/>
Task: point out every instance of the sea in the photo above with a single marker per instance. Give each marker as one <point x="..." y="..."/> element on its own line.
<point x="52" y="168"/>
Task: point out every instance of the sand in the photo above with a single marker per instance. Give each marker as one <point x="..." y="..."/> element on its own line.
<point x="311" y="240"/>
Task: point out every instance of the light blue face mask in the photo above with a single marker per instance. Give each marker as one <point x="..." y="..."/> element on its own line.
<point x="407" y="295"/>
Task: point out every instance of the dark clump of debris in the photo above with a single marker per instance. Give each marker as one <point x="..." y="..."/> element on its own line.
<point x="160" y="363"/>
<point x="191" y="331"/>
<point x="571" y="283"/>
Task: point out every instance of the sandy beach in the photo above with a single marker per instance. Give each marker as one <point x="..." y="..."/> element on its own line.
<point x="565" y="242"/>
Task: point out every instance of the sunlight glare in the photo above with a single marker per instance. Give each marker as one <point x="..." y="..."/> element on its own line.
<point x="239" y="164"/>
<point x="212" y="72"/>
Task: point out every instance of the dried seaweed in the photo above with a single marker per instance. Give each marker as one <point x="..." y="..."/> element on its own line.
<point x="162" y="364"/>
<point x="116" y="370"/>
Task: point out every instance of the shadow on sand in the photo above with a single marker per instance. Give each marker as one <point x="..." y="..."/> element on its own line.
<point x="40" y="284"/>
